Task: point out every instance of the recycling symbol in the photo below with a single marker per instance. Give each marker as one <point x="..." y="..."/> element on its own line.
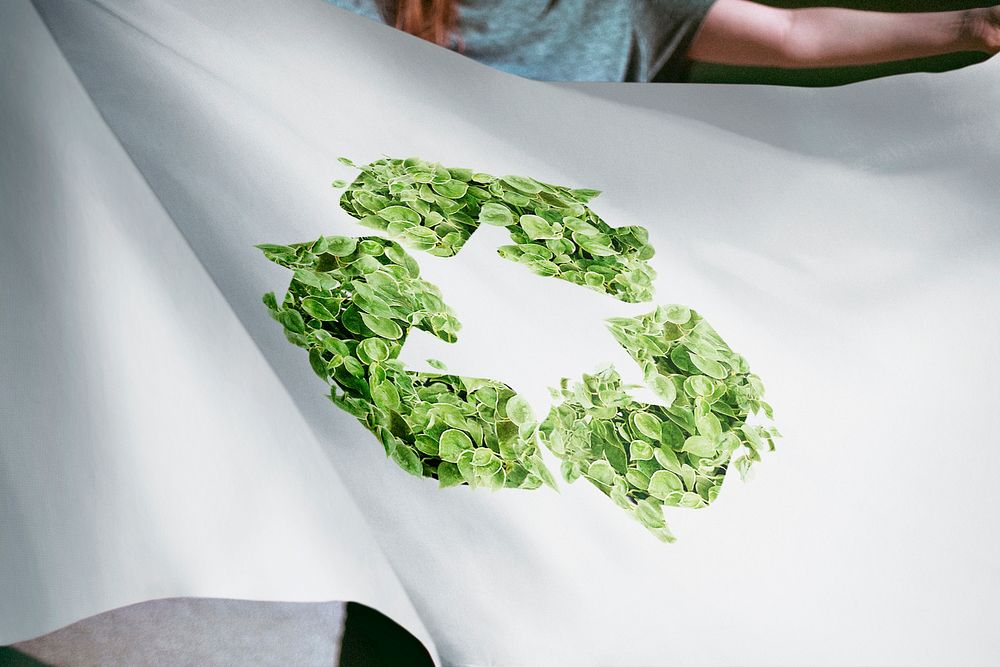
<point x="352" y="301"/>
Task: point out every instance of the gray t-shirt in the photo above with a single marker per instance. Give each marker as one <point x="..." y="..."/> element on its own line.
<point x="573" y="40"/>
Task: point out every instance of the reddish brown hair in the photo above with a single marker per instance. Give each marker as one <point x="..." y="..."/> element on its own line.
<point x="433" y="20"/>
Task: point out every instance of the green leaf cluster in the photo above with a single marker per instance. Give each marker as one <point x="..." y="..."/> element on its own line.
<point x="351" y="303"/>
<point x="424" y="205"/>
<point x="436" y="209"/>
<point x="646" y="456"/>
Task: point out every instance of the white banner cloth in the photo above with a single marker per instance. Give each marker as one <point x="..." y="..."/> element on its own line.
<point x="844" y="240"/>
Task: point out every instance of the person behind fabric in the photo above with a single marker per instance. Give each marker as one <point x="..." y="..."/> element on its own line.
<point x="644" y="40"/>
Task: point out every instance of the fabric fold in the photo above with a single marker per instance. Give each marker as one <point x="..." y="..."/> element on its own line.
<point x="148" y="450"/>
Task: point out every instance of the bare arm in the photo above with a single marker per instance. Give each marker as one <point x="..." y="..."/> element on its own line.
<point x="739" y="32"/>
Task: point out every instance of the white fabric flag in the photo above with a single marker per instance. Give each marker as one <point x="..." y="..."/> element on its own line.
<point x="844" y="241"/>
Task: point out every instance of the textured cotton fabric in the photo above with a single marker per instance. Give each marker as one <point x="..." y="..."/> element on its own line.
<point x="160" y="436"/>
<point x="578" y="40"/>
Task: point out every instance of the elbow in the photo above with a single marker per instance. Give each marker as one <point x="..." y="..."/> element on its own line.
<point x="797" y="44"/>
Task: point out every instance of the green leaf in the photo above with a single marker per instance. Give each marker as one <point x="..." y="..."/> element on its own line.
<point x="452" y="443"/>
<point x="537" y="227"/>
<point x="539" y="469"/>
<point x="482" y="456"/>
<point x="602" y="472"/>
<point x="461" y="174"/>
<point x="319" y="309"/>
<point x="662" y="483"/>
<point x="649" y="513"/>
<point x="648" y="425"/>
<point x="374" y="222"/>
<point x="753" y="437"/>
<point x="318" y="363"/>
<point x="664" y="388"/>
<point x="699" y="446"/>
<point x="449" y="475"/>
<point x="524" y="184"/>
<point x="693" y="500"/>
<point x="599" y="246"/>
<point x="496" y="214"/>
<point x="400" y="214"/>
<point x="671" y="435"/>
<point x="676" y="314"/>
<point x="341" y="246"/>
<point x="354" y="367"/>
<point x="385" y="396"/>
<point x="407" y="460"/>
<point x="615" y="454"/>
<point x="466" y="468"/>
<point x="382" y="326"/>
<point x="640" y="450"/>
<point x="683" y="417"/>
<point x="637" y="479"/>
<point x="519" y="410"/>
<point x="277" y="253"/>
<point x="585" y="194"/>
<point x="698" y="385"/>
<point x="292" y="320"/>
<point x="453" y="189"/>
<point x="742" y="465"/>
<point x="709" y="426"/>
<point x="449" y="414"/>
<point x="667" y="458"/>
<point x="271" y="302"/>
<point x="375" y="349"/>
<point x="709" y="367"/>
<point x="426" y="444"/>
<point x="570" y="471"/>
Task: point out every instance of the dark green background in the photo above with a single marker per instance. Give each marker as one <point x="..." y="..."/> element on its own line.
<point x="709" y="73"/>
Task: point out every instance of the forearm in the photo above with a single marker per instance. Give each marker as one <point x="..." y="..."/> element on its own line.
<point x="834" y="37"/>
<point x="745" y="33"/>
